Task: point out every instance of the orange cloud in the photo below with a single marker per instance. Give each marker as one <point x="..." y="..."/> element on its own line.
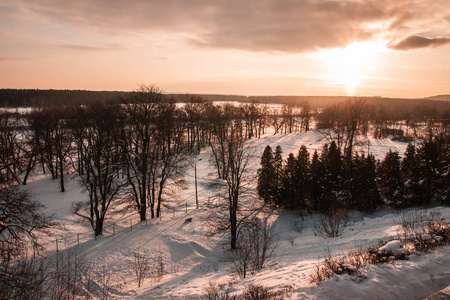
<point x="288" y="26"/>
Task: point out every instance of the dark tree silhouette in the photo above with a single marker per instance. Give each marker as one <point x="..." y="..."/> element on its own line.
<point x="102" y="162"/>
<point x="266" y="176"/>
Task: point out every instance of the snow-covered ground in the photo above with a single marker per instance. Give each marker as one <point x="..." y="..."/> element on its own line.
<point x="193" y="258"/>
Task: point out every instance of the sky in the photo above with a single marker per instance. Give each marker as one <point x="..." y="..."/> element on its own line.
<point x="393" y="48"/>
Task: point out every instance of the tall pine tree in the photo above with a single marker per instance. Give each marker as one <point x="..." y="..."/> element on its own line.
<point x="391" y="180"/>
<point x="278" y="166"/>
<point x="267" y="184"/>
<point x="363" y="190"/>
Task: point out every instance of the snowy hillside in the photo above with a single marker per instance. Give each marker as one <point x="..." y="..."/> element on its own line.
<point x="192" y="258"/>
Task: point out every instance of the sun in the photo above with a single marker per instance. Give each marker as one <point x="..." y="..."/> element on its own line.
<point x="350" y="65"/>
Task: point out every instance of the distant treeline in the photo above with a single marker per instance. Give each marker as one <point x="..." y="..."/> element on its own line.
<point x="36" y="97"/>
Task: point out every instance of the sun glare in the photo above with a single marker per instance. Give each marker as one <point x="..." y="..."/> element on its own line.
<point x="348" y="66"/>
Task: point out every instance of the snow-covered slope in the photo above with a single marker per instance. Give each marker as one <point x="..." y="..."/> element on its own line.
<point x="193" y="258"/>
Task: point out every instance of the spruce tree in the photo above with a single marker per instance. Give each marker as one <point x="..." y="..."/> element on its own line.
<point x="278" y="166"/>
<point x="444" y="174"/>
<point x="328" y="177"/>
<point x="363" y="188"/>
<point x="409" y="160"/>
<point x="266" y="176"/>
<point x="428" y="172"/>
<point x="302" y="177"/>
<point x="391" y="181"/>
<point x="288" y="190"/>
<point x="314" y="188"/>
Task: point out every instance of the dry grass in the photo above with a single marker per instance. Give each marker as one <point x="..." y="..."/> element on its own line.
<point x="420" y="232"/>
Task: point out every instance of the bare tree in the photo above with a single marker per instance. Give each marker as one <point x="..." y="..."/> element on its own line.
<point x="222" y="120"/>
<point x="154" y="147"/>
<point x="355" y="115"/>
<point x="140" y="266"/>
<point x="70" y="275"/>
<point x="20" y="218"/>
<point x="10" y="152"/>
<point x="342" y="123"/>
<point x="23" y="277"/>
<point x="138" y="143"/>
<point x="194" y="112"/>
<point x="256" y="246"/>
<point x="169" y="155"/>
<point x="32" y="141"/>
<point x="55" y="139"/>
<point x="102" y="162"/>
<point x="235" y="155"/>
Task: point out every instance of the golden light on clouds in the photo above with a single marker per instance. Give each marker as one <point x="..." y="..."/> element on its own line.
<point x="252" y="47"/>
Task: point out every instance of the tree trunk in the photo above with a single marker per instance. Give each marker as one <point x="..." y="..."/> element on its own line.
<point x="98" y="227"/>
<point x="61" y="171"/>
<point x="30" y="166"/>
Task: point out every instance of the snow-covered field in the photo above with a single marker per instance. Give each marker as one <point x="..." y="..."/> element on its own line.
<point x="193" y="258"/>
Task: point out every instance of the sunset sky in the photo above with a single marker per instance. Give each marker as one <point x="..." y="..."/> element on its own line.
<point x="259" y="47"/>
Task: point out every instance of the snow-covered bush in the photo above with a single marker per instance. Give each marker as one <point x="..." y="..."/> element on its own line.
<point x="386" y="252"/>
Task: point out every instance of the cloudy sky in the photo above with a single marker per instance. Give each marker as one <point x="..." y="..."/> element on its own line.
<point x="256" y="47"/>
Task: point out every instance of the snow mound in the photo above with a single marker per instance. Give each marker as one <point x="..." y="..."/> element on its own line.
<point x="181" y="250"/>
<point x="426" y="237"/>
<point x="438" y="238"/>
<point x="392" y="247"/>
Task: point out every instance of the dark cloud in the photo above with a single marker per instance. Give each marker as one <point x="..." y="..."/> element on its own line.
<point x="253" y="25"/>
<point x="415" y="42"/>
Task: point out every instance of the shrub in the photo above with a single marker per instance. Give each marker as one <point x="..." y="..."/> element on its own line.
<point x="140" y="266"/>
<point x="417" y="237"/>
<point x="414" y="223"/>
<point x="349" y="264"/>
<point x="216" y="291"/>
<point x="260" y="292"/>
<point x="332" y="223"/>
<point x="257" y="243"/>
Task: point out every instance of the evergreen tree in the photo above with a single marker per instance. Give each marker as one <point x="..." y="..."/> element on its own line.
<point x="288" y="187"/>
<point x="444" y="174"/>
<point x="278" y="166"/>
<point x="266" y="176"/>
<point x="302" y="172"/>
<point x="410" y="172"/>
<point x="329" y="178"/>
<point x="363" y="190"/>
<point x="314" y="189"/>
<point x="294" y="183"/>
<point x="409" y="159"/>
<point x="391" y="182"/>
<point x="428" y="173"/>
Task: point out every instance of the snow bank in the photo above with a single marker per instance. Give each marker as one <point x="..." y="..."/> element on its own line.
<point x="416" y="278"/>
